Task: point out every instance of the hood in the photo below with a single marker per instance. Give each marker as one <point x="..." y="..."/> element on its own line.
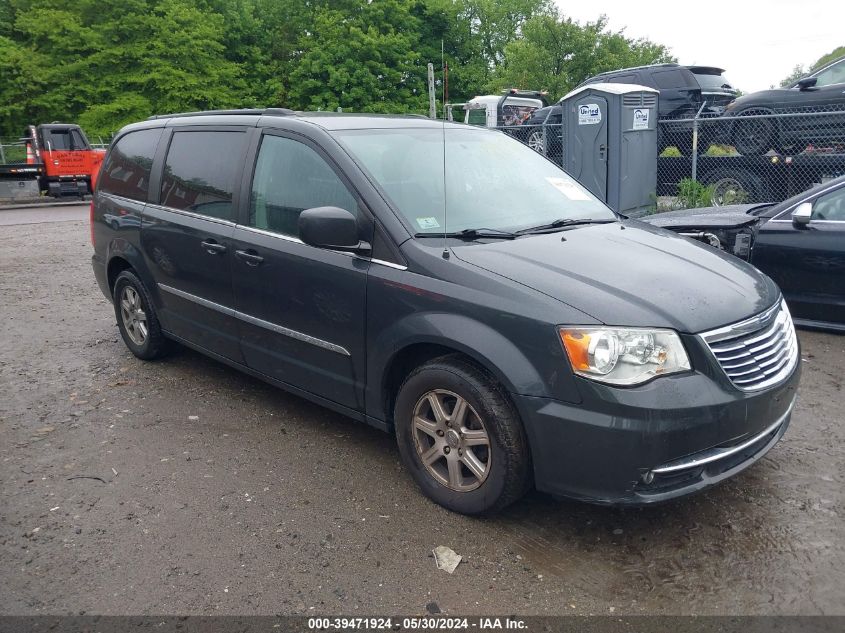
<point x="766" y="97"/>
<point x="726" y="217"/>
<point x="631" y="274"/>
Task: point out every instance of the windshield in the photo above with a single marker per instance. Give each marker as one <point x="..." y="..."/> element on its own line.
<point x="491" y="180"/>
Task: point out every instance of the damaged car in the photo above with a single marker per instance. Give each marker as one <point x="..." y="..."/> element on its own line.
<point x="799" y="243"/>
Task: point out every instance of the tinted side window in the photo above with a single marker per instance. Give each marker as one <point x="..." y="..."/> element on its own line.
<point x="289" y="178"/>
<point x="830" y="76"/>
<point x="830" y="206"/>
<point x="127" y="169"/>
<point x="670" y="79"/>
<point x="200" y="172"/>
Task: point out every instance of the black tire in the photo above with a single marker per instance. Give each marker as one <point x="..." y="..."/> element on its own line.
<point x="508" y="461"/>
<point x="754" y="137"/>
<point x="735" y="186"/>
<point x="154" y="344"/>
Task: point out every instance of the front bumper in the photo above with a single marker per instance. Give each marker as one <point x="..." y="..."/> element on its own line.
<point x="666" y="439"/>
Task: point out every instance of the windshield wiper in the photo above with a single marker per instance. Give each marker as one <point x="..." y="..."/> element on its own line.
<point x="472" y="234"/>
<point x="562" y="223"/>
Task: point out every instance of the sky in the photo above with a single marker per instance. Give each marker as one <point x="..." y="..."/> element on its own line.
<point x="758" y="43"/>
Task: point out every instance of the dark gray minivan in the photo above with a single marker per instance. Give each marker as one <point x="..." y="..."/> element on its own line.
<point x="447" y="284"/>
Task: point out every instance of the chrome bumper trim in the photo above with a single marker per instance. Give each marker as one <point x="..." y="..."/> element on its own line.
<point x="715" y="454"/>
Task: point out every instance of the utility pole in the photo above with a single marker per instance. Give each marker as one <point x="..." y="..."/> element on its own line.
<point x="432" y="97"/>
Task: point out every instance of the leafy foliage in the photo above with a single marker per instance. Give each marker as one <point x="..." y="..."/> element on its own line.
<point x="556" y="53"/>
<point x="104" y="63"/>
<point x="693" y="194"/>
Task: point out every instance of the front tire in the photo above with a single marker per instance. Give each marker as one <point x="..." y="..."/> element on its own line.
<point x="136" y="318"/>
<point x="754" y="137"/>
<point x="460" y="437"/>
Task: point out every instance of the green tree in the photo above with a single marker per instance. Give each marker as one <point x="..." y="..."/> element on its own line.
<point x="797" y="72"/>
<point x="104" y="64"/>
<point x="824" y="60"/>
<point x="360" y="57"/>
<point x="556" y="53"/>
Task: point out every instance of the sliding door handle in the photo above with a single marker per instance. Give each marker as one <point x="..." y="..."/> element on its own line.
<point x="250" y="257"/>
<point x="213" y="247"/>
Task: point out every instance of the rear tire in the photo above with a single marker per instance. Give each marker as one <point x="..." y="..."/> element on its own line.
<point x="735" y="186"/>
<point x="136" y="318"/>
<point x="536" y="142"/>
<point x="460" y="437"/>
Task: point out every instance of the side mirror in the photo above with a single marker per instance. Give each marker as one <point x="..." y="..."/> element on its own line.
<point x="332" y="228"/>
<point x="802" y="214"/>
<point x="806" y="83"/>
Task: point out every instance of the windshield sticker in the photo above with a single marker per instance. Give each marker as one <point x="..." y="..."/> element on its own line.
<point x="589" y="114"/>
<point x="428" y="223"/>
<point x="567" y="188"/>
<point x="641" y="119"/>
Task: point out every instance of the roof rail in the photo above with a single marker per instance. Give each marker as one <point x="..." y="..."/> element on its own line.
<point x="619" y="70"/>
<point x="256" y="111"/>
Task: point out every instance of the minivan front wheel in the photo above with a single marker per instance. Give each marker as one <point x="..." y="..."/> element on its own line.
<point x="460" y="437"/>
<point x="136" y="318"/>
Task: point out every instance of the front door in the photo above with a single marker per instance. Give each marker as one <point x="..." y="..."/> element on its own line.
<point x="186" y="237"/>
<point x="301" y="309"/>
<point x="587" y="160"/>
<point x="808" y="262"/>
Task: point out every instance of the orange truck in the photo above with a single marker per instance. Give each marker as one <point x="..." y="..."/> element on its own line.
<point x="60" y="158"/>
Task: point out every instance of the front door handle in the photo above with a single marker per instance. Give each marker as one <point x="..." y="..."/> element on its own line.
<point x="250" y="257"/>
<point x="213" y="247"/>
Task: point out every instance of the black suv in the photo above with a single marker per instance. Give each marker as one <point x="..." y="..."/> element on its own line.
<point x="447" y="284"/>
<point x="683" y="90"/>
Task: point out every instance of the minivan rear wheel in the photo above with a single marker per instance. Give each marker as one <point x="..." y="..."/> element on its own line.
<point x="460" y="437"/>
<point x="136" y="318"/>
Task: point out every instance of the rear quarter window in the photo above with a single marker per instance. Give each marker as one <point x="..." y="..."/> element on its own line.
<point x="127" y="169"/>
<point x="671" y="79"/>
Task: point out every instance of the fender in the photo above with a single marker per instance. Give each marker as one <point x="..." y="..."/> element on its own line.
<point x="479" y="341"/>
<point x="125" y="249"/>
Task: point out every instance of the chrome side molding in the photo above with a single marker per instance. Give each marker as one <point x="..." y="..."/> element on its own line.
<point x="247" y="318"/>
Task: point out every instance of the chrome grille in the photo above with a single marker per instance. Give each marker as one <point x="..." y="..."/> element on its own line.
<point x="758" y="352"/>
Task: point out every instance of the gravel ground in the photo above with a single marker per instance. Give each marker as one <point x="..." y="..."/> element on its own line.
<point x="184" y="487"/>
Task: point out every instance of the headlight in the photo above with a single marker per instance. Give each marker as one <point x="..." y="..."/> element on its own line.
<point x="624" y="356"/>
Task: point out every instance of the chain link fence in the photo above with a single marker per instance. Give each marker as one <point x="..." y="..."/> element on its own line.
<point x="544" y="138"/>
<point x="720" y="160"/>
<point x="756" y="156"/>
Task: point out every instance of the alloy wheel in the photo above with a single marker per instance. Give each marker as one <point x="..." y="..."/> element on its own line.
<point x="451" y="440"/>
<point x="133" y="315"/>
<point x="535" y="142"/>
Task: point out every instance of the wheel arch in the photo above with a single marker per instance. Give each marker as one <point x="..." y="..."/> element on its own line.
<point x="422" y="337"/>
<point x="123" y="255"/>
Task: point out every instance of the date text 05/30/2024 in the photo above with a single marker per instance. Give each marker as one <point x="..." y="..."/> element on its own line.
<point x="422" y="624"/>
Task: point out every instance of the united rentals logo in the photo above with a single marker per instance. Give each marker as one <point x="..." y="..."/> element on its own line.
<point x="589" y="114"/>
